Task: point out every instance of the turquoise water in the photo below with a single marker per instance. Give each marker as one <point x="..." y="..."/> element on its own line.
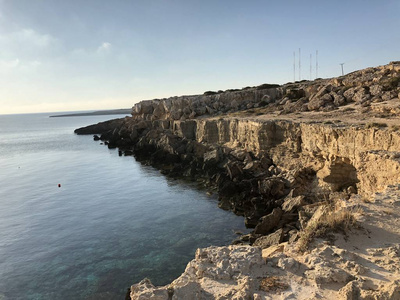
<point x="111" y="223"/>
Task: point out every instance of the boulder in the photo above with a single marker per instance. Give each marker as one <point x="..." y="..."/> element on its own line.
<point x="234" y="169"/>
<point x="318" y="103"/>
<point x="146" y="290"/>
<point x="292" y="203"/>
<point x="266" y="253"/>
<point x="338" y="100"/>
<point x="211" y="158"/>
<point x="268" y="222"/>
<point x="272" y="187"/>
<point x="269" y="240"/>
<point x="375" y="90"/>
<point x="239" y="154"/>
<point x="349" y="94"/>
<point x="361" y="95"/>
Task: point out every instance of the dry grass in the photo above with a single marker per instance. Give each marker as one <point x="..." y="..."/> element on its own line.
<point x="331" y="221"/>
<point x="273" y="284"/>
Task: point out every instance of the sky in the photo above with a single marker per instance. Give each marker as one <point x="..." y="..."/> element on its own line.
<point x="58" y="55"/>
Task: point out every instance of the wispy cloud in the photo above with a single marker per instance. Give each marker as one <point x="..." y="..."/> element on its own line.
<point x="27" y="45"/>
<point x="9" y="64"/>
<point x="27" y="37"/>
<point x="34" y="38"/>
<point x="104" y="48"/>
<point x="17" y="64"/>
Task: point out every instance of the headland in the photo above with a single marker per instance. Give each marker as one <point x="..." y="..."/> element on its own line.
<point x="313" y="166"/>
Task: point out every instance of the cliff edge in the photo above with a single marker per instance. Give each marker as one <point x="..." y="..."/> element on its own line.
<point x="314" y="168"/>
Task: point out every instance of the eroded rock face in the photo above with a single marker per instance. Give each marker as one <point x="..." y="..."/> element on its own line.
<point x="362" y="87"/>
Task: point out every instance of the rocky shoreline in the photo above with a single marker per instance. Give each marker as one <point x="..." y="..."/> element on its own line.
<point x="278" y="155"/>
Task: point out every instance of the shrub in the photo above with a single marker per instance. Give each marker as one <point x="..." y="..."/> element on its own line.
<point x="332" y="221"/>
<point x="273" y="283"/>
<point x="376" y="125"/>
<point x="267" y="86"/>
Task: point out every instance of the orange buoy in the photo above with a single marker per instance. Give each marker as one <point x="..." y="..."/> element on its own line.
<point x="59" y="185"/>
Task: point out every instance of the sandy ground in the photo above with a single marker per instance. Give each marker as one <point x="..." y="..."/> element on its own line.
<point x="364" y="264"/>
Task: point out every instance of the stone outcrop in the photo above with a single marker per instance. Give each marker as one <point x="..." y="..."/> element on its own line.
<point x="365" y="87"/>
<point x="271" y="153"/>
<point x="232" y="272"/>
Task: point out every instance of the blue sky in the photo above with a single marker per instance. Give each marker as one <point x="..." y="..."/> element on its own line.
<point x="58" y="55"/>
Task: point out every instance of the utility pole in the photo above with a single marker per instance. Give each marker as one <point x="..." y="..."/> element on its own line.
<point x="294" y="66"/>
<point x="299" y="64"/>
<point x="316" y="64"/>
<point x="342" y="68"/>
<point x="310" y="66"/>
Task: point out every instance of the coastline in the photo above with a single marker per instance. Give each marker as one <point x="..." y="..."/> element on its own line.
<point x="126" y="111"/>
<point x="286" y="158"/>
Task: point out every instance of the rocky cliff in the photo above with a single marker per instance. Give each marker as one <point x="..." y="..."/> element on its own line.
<point x="273" y="154"/>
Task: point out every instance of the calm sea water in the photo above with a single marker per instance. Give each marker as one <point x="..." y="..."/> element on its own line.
<point x="111" y="223"/>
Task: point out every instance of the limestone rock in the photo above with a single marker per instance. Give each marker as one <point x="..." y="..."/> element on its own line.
<point x="146" y="290"/>
<point x="266" y="253"/>
<point x="268" y="222"/>
<point x="216" y="273"/>
<point x="355" y="290"/>
<point x="318" y="103"/>
<point x="325" y="274"/>
<point x="269" y="240"/>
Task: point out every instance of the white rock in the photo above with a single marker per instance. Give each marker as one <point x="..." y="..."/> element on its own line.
<point x="230" y="272"/>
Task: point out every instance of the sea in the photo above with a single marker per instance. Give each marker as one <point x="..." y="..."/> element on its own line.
<point x="78" y="221"/>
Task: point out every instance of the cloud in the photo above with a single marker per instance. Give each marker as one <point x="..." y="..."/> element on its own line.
<point x="104" y="48"/>
<point x="9" y="64"/>
<point x="27" y="37"/>
<point x="35" y="63"/>
<point x="27" y="44"/>
<point x="90" y="54"/>
<point x="16" y="65"/>
<point x="33" y="37"/>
